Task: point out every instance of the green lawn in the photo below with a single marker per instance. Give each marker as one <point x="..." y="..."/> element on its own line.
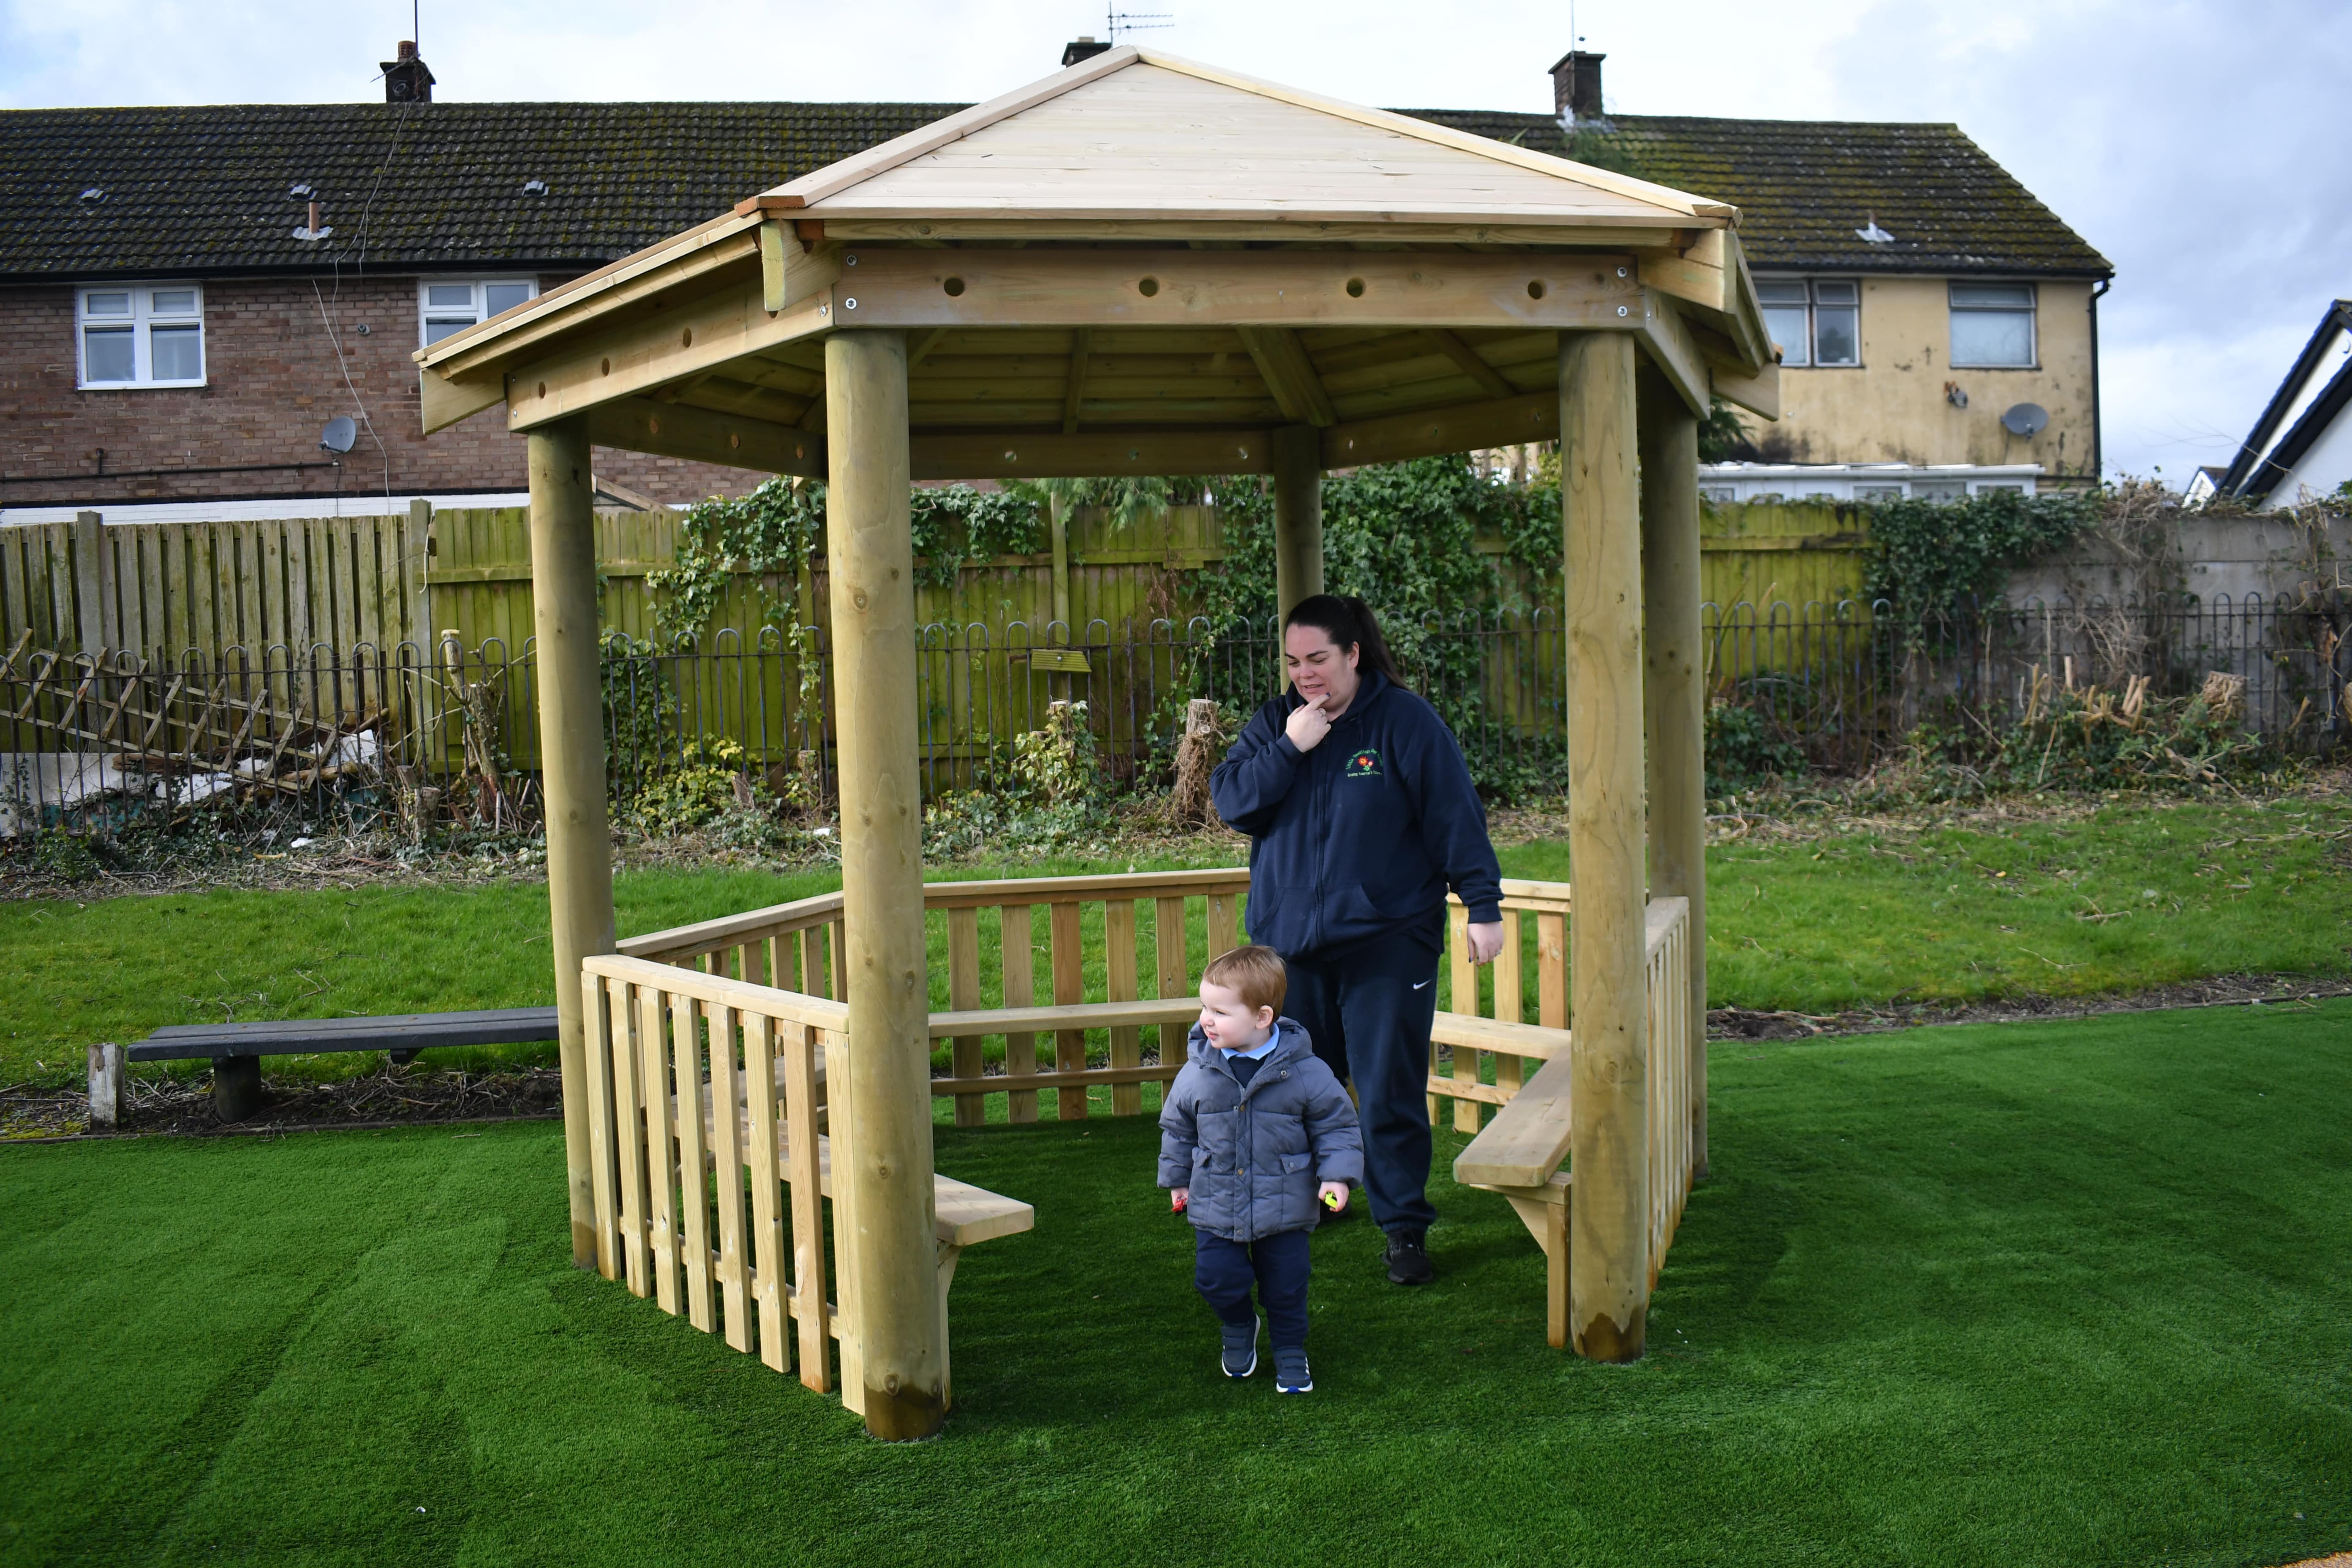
<point x="2069" y="1294"/>
<point x="2136" y="895"/>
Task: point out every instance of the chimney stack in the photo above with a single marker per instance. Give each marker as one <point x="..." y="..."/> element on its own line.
<point x="1576" y="87"/>
<point x="407" y="80"/>
<point x="1082" y="49"/>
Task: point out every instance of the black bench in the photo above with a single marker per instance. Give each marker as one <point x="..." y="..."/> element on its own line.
<point x="236" y="1049"/>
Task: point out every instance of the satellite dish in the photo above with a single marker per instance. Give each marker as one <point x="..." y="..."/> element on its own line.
<point x="341" y="434"/>
<point x="2025" y="419"/>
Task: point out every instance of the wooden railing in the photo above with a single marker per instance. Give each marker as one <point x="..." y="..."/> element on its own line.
<point x="1666" y="971"/>
<point x="1469" y="1028"/>
<point x="665" y="1048"/>
<point x="1157" y="931"/>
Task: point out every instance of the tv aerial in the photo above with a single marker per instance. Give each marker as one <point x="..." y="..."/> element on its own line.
<point x="1116" y="22"/>
<point x="340" y="436"/>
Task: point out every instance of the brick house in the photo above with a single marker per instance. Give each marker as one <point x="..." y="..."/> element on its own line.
<point x="190" y="296"/>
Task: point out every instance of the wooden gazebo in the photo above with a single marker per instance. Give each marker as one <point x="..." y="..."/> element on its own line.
<point x="1138" y="265"/>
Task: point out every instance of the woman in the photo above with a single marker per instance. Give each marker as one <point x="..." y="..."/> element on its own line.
<point x="1361" y="815"/>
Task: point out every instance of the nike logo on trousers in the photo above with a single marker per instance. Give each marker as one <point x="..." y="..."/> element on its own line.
<point x="1425" y="982"/>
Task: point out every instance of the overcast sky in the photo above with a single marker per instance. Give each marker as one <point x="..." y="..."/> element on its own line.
<point x="2205" y="146"/>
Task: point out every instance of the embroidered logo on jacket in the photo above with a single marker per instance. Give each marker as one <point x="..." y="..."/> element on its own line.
<point x="1365" y="764"/>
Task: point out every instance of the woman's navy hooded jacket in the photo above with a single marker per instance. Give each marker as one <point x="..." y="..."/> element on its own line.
<point x="1362" y="835"/>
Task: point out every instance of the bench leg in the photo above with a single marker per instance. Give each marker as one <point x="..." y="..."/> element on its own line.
<point x="1544" y="1211"/>
<point x="105" y="1088"/>
<point x="949" y="1255"/>
<point x="236" y="1086"/>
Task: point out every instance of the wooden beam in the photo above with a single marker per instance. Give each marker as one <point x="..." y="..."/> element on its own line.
<point x="1451" y="345"/>
<point x="882" y="1115"/>
<point x="776" y="247"/>
<point x="1609" y="1204"/>
<point x="1666" y="340"/>
<point x="1282" y="364"/>
<point x="1560" y="238"/>
<point x="1673" y="705"/>
<point x="1758" y="394"/>
<point x="626" y="358"/>
<point x="931" y="288"/>
<point x="1464" y="427"/>
<point x="572" y="762"/>
<point x="1694" y="273"/>
<point x="676" y="430"/>
<point x="443" y="401"/>
<point x="1081" y="342"/>
<point x="1039" y="454"/>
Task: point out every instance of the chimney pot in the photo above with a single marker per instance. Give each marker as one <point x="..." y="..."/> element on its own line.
<point x="1082" y="49"/>
<point x="406" y="50"/>
<point x="1576" y="86"/>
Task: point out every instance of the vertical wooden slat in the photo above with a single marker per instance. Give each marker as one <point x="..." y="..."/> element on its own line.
<point x="1551" y="970"/>
<point x="661" y="1165"/>
<point x="812" y="946"/>
<point x="300" y="621"/>
<point x="845" y="1319"/>
<point x="154" y="601"/>
<point x="629" y="1125"/>
<point x="798" y="1042"/>
<point x="768" y="1286"/>
<point x="1223" y="924"/>
<point x="837" y="967"/>
<point x="1069" y="986"/>
<point x="1016" y="950"/>
<point x="601" y="1126"/>
<point x="1463" y="997"/>
<point x="1126" y="1042"/>
<point x="1507" y="1000"/>
<point x="964" y="995"/>
<point x="1175" y="979"/>
<point x="733" y="1267"/>
<point x="693" y="1158"/>
<point x="252" y="624"/>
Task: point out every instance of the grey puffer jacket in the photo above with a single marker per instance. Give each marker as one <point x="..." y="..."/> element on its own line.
<point x="1254" y="1156"/>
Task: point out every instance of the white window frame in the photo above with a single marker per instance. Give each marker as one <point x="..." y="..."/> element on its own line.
<point x="478" y="311"/>
<point x="2031" y="311"/>
<point x="1810" y="347"/>
<point x="142" y="319"/>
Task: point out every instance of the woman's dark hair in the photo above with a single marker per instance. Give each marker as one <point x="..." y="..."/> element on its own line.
<point x="1349" y="622"/>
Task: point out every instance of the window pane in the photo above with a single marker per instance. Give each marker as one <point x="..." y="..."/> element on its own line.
<point x="1836" y="340"/>
<point x="2013" y="296"/>
<point x="106" y="305"/>
<point x="1788" y="329"/>
<point x="440" y="295"/>
<point x="506" y="296"/>
<point x="1992" y="337"/>
<point x="1836" y="293"/>
<point x="438" y="327"/>
<point x="176" y="354"/>
<point x="1781" y="291"/>
<point x="106" y="354"/>
<point x="173" y="303"/>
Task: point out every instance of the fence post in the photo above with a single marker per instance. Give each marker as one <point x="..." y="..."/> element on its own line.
<point x="572" y="764"/>
<point x="93" y="583"/>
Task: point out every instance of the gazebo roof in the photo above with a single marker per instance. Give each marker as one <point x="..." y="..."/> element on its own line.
<point x="1138" y="264"/>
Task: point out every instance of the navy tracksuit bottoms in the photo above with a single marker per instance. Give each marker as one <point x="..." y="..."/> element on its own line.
<point x="1369" y="1011"/>
<point x="1277" y="1265"/>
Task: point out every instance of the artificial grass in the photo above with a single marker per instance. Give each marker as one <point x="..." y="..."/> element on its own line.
<point x="2067" y="1294"/>
<point x="2137" y="894"/>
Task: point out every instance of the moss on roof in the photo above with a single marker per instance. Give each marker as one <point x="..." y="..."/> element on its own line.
<point x="428" y="186"/>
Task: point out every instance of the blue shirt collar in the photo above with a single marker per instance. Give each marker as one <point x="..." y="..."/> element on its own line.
<point x="1271" y="1040"/>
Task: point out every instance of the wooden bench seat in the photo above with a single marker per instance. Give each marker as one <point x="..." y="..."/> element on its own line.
<point x="236" y="1049"/>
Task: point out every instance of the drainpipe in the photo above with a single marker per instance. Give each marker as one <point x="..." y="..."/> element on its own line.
<point x="2098" y="459"/>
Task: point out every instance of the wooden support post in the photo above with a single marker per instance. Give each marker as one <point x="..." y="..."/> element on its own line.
<point x="887" y="1099"/>
<point x="571" y="766"/>
<point x="1057" y="520"/>
<point x="1675" y="701"/>
<point x="1609" y="1200"/>
<point x="1298" y="515"/>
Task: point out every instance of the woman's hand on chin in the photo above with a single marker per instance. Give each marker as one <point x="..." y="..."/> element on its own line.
<point x="1308" y="725"/>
